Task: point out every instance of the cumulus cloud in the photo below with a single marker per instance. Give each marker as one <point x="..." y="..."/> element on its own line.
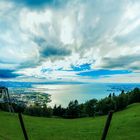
<point x="122" y="62"/>
<point x="54" y="51"/>
<point x="65" y="35"/>
<point x="15" y="46"/>
<point x="51" y="50"/>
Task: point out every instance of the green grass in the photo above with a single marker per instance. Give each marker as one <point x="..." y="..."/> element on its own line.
<point x="125" y="126"/>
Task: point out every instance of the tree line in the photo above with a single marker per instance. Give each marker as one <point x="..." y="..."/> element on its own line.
<point x="90" y="108"/>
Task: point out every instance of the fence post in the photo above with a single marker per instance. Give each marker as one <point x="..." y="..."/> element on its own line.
<point x="22" y="126"/>
<point x="107" y="125"/>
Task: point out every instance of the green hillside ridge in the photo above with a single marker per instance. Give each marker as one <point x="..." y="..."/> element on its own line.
<point x="124" y="126"/>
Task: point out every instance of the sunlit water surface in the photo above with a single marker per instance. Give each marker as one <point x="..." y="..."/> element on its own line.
<point x="63" y="94"/>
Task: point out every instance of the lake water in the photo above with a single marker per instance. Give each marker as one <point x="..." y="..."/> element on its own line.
<point x="64" y="93"/>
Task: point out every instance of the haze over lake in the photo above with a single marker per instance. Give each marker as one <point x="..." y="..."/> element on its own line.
<point x="64" y="93"/>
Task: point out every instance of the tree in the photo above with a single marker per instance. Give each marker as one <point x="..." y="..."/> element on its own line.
<point x="110" y="95"/>
<point x="134" y="96"/>
<point x="58" y="111"/>
<point x="105" y="105"/>
<point x="121" y="101"/>
<point x="37" y="110"/>
<point x="90" y="107"/>
<point x="73" y="110"/>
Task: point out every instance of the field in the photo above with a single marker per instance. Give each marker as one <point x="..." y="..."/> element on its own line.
<point x="125" y="126"/>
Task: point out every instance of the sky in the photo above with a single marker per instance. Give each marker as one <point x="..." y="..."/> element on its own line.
<point x="70" y="40"/>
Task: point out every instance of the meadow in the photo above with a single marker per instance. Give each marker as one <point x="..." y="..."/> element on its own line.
<point x="125" y="125"/>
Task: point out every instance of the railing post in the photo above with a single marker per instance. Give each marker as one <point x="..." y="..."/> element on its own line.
<point x="4" y="91"/>
<point x="107" y="125"/>
<point x="22" y="126"/>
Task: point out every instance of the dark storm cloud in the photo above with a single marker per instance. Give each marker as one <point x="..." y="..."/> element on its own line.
<point x="27" y="64"/>
<point x="120" y="62"/>
<point x="51" y="50"/>
<point x="6" y="74"/>
<point x="39" y="3"/>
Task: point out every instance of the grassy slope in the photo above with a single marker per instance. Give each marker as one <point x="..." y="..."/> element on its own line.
<point x="125" y="126"/>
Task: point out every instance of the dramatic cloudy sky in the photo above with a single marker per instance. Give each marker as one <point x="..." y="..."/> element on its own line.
<point x="70" y="40"/>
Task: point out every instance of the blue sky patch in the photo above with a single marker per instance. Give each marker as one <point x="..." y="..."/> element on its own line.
<point x="82" y="67"/>
<point x="5" y="74"/>
<point x="103" y="72"/>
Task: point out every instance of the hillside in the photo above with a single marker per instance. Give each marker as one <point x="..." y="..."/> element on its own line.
<point x="125" y="126"/>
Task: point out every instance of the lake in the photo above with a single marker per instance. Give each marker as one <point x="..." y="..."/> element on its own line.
<point x="64" y="93"/>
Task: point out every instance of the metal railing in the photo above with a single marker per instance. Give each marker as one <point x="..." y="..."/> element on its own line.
<point x="6" y="99"/>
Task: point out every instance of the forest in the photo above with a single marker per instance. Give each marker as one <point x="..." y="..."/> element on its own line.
<point x="90" y="108"/>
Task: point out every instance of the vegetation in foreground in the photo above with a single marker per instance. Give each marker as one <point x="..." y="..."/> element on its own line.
<point x="124" y="126"/>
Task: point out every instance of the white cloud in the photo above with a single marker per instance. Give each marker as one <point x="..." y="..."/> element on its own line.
<point x="66" y="35"/>
<point x="81" y="32"/>
<point x="127" y="78"/>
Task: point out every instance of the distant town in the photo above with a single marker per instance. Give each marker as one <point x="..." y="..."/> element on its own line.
<point x="28" y="97"/>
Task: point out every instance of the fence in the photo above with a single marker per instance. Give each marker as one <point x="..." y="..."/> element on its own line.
<point x="6" y="98"/>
